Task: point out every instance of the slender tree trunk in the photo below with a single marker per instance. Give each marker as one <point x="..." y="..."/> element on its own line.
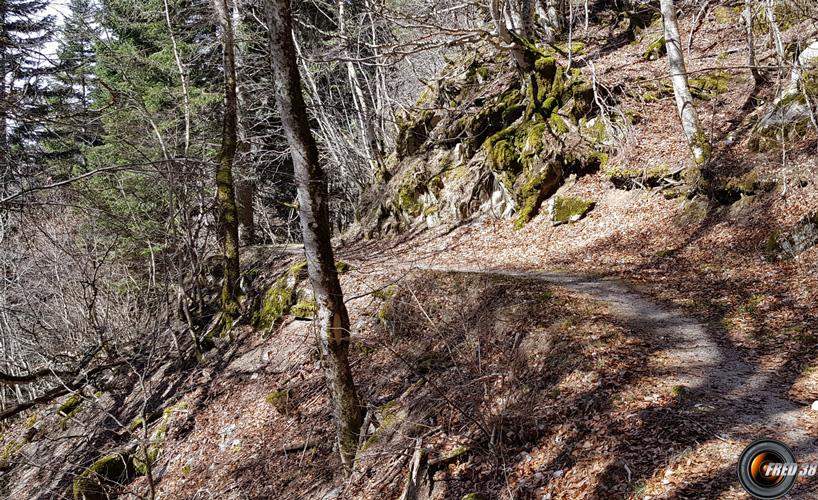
<point x="225" y="193"/>
<point x="522" y="57"/>
<point x="747" y="15"/>
<point x="245" y="184"/>
<point x="775" y="33"/>
<point x="696" y="138"/>
<point x="361" y="101"/>
<point x="333" y="320"/>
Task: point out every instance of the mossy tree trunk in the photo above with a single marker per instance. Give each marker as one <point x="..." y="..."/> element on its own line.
<point x="333" y="320"/>
<point x="225" y="191"/>
<point x="696" y="138"/>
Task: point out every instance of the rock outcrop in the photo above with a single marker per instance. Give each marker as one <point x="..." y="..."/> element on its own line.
<point x="489" y="143"/>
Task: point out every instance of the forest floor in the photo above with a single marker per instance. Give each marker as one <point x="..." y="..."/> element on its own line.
<point x="590" y="360"/>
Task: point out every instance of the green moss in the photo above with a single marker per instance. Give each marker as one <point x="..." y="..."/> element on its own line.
<point x="389" y="415"/>
<point x="70" y="406"/>
<point x="278" y="399"/>
<point x="140" y="466"/>
<point x="726" y="15"/>
<point x="599" y="159"/>
<point x="31" y="420"/>
<point x="649" y="176"/>
<point x="709" y="84"/>
<point x="279" y="298"/>
<point x="558" y="125"/>
<point x="385" y="293"/>
<point x="187" y="469"/>
<point x="408" y="200"/>
<point x="577" y="48"/>
<point x="69" y="409"/>
<point x="8" y="452"/>
<point x="745" y="184"/>
<point x="656" y="49"/>
<point x="472" y="496"/>
<point x="565" y="209"/>
<point x="304" y="309"/>
<point x="533" y="191"/>
<point x="106" y="472"/>
<point x="342" y="267"/>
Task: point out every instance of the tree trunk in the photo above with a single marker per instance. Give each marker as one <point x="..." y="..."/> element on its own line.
<point x="747" y="16"/>
<point x="245" y="184"/>
<point x="696" y="139"/>
<point x="333" y="321"/>
<point x="775" y="33"/>
<point x="522" y="57"/>
<point x="365" y="117"/>
<point x="552" y="13"/>
<point x="225" y="192"/>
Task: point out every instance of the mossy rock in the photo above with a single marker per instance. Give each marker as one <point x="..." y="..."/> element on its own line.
<point x="304" y="309"/>
<point x="413" y="130"/>
<point x="710" y="84"/>
<point x="342" y="267"/>
<point x="279" y="298"/>
<point x="409" y="199"/>
<point x="100" y="478"/>
<point x="562" y="209"/>
<point x="535" y="187"/>
<point x="656" y="49"/>
<point x="633" y="177"/>
<point x="140" y="466"/>
<point x="785" y="121"/>
<point x="9" y="451"/>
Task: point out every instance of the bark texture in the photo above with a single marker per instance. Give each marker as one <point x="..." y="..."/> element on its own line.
<point x="225" y="191"/>
<point x="333" y="320"/>
<point x="696" y="139"/>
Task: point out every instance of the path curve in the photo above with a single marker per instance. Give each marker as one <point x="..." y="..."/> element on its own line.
<point x="696" y="358"/>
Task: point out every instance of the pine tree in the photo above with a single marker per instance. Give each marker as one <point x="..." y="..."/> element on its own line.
<point x="75" y="123"/>
<point x="24" y="29"/>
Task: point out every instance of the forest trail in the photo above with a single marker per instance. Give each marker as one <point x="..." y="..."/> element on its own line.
<point x="693" y="356"/>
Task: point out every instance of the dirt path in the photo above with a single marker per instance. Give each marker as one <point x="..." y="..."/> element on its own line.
<point x="695" y="357"/>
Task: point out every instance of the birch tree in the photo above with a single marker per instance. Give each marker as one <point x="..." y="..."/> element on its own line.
<point x="696" y="139"/>
<point x="333" y="320"/>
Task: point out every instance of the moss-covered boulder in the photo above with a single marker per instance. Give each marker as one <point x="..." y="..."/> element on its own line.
<point x="631" y="177"/>
<point x="656" y="49"/>
<point x="563" y="209"/>
<point x="101" y="478"/>
<point x="306" y="308"/>
<point x="279" y="298"/>
<point x="413" y="130"/>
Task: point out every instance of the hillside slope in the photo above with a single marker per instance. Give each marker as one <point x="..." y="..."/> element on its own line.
<point x="543" y="305"/>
